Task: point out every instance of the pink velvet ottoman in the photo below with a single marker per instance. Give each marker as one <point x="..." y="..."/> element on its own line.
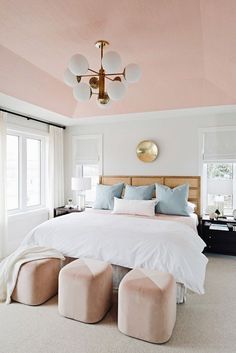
<point x="37" y="281"/>
<point x="85" y="290"/>
<point x="147" y="305"/>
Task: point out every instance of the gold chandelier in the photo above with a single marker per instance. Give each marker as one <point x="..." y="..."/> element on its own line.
<point x="109" y="83"/>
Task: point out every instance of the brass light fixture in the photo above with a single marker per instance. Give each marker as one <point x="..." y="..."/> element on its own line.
<point x="109" y="82"/>
<point x="147" y="151"/>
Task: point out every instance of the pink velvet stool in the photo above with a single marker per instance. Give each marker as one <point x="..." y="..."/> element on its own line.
<point x="37" y="281"/>
<point x="85" y="290"/>
<point x="147" y="305"/>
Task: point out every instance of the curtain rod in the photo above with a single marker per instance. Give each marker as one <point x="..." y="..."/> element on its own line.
<point x="30" y="118"/>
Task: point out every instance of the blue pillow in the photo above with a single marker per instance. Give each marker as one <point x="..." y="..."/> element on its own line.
<point x="172" y="201"/>
<point x="105" y="195"/>
<point x="139" y="192"/>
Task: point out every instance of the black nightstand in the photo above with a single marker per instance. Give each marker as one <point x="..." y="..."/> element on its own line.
<point x="60" y="211"/>
<point x="219" y="235"/>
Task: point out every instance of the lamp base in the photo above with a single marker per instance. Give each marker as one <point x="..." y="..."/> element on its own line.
<point x="80" y="202"/>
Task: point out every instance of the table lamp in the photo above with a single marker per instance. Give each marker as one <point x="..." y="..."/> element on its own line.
<point x="80" y="185"/>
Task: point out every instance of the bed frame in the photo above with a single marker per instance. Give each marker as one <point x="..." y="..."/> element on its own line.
<point x="171" y="181"/>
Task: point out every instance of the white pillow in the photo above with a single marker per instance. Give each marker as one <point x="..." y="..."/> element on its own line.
<point x="191" y="207"/>
<point x="134" y="207"/>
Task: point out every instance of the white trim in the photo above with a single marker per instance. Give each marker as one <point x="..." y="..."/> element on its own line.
<point x="158" y="114"/>
<point x="20" y="106"/>
<point x="29" y="212"/>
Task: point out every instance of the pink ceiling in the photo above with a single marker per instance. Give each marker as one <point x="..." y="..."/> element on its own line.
<point x="186" y="50"/>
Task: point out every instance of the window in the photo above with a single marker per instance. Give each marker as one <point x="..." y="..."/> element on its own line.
<point x="219" y="169"/>
<point x="88" y="162"/>
<point x="25" y="171"/>
<point x="219" y="186"/>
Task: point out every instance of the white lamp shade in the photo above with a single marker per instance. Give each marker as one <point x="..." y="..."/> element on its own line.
<point x="80" y="184"/>
<point x="132" y="73"/>
<point x="220" y="187"/>
<point x="111" y="62"/>
<point x="116" y="90"/>
<point x="78" y="64"/>
<point x="82" y="92"/>
<point x="70" y="79"/>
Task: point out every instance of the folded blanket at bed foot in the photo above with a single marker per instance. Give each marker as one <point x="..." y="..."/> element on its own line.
<point x="10" y="266"/>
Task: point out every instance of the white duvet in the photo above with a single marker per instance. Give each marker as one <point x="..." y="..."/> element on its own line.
<point x="127" y="241"/>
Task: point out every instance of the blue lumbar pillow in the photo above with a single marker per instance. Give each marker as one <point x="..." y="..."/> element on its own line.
<point x="139" y="192"/>
<point x="172" y="201"/>
<point x="105" y="195"/>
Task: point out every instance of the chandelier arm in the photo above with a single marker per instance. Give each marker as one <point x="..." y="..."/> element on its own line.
<point x="88" y="75"/>
<point x="116" y="74"/>
<point x="108" y="78"/>
<point x="93" y="71"/>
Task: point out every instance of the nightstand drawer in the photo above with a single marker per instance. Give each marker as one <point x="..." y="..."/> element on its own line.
<point x="223" y="242"/>
<point x="221" y="237"/>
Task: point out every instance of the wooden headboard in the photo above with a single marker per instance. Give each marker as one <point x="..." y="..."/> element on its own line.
<point x="171" y="181"/>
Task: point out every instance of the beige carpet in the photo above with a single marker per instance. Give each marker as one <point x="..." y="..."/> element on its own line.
<point x="204" y="324"/>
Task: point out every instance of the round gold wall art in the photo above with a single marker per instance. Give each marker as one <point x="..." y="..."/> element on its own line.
<point x="147" y="151"/>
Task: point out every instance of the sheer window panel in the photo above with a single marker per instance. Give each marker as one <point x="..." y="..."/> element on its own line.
<point x="33" y="172"/>
<point x="12" y="172"/>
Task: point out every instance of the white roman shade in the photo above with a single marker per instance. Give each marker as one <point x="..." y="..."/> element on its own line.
<point x="220" y="145"/>
<point x="87" y="149"/>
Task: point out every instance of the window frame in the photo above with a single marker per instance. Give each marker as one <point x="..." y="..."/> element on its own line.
<point x="22" y="165"/>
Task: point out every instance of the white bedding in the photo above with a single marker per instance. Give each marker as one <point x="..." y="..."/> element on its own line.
<point x="128" y="241"/>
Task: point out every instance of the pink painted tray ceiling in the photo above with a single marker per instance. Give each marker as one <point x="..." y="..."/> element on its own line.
<point x="185" y="48"/>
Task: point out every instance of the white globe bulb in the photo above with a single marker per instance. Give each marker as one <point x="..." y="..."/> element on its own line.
<point x="116" y="90"/>
<point x="111" y="62"/>
<point x="132" y="73"/>
<point x="70" y="79"/>
<point x="78" y="64"/>
<point x="82" y="92"/>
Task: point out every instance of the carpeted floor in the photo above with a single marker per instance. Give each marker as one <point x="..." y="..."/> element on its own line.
<point x="205" y="324"/>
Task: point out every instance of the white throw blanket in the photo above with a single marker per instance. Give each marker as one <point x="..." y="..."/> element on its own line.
<point x="10" y="266"/>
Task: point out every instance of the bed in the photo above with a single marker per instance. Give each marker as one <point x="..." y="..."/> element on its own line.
<point x="167" y="243"/>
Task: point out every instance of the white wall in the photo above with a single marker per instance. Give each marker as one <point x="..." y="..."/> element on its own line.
<point x="176" y="133"/>
<point x="20" y="224"/>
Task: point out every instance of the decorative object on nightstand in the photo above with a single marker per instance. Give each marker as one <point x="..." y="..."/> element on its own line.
<point x="80" y="185"/>
<point x="219" y="234"/>
<point x="61" y="211"/>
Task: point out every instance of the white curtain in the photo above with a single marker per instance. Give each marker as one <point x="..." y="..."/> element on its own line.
<point x="3" y="186"/>
<point x="56" y="168"/>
